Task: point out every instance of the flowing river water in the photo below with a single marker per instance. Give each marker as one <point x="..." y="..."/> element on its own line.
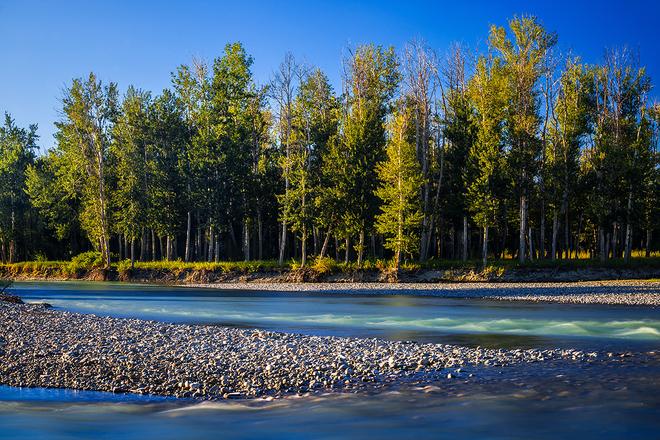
<point x="615" y="398"/>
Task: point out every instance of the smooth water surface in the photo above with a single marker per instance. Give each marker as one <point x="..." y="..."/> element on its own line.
<point x="422" y="318"/>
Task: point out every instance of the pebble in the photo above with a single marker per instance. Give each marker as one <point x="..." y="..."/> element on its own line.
<point x="51" y="348"/>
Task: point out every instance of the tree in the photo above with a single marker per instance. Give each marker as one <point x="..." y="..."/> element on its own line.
<point x="129" y="153"/>
<point x="618" y="151"/>
<point x="313" y="124"/>
<point x="371" y="80"/>
<point x="524" y="58"/>
<point x="167" y="170"/>
<point x="421" y="73"/>
<point x="458" y="131"/>
<point x="569" y="127"/>
<point x="283" y="90"/>
<point x="651" y="182"/>
<point x="17" y="153"/>
<point x="400" y="182"/>
<point x="83" y="140"/>
<point x="486" y="156"/>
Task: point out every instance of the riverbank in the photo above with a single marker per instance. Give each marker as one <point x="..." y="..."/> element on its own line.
<point x="41" y="347"/>
<point x="329" y="271"/>
<point x="613" y="292"/>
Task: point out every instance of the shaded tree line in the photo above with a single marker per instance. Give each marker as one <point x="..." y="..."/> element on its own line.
<point x="514" y="152"/>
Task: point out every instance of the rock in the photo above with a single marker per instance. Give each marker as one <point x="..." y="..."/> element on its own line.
<point x="59" y="349"/>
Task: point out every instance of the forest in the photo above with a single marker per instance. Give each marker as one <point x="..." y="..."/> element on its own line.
<point x="514" y="152"/>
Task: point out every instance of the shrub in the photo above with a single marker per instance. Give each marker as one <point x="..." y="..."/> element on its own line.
<point x="324" y="265"/>
<point x="124" y="268"/>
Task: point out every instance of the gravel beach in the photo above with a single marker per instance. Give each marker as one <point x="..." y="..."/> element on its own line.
<point x="620" y="292"/>
<point x="40" y="347"/>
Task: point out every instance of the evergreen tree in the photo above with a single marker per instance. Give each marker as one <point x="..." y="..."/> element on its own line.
<point x="401" y="180"/>
<point x="314" y="122"/>
<point x="372" y="80"/>
<point x="569" y="127"/>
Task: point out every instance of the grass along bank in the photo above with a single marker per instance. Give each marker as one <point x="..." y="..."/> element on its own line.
<point x="89" y="266"/>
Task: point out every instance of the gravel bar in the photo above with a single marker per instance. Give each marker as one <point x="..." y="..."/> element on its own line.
<point x="624" y="292"/>
<point x="41" y="347"/>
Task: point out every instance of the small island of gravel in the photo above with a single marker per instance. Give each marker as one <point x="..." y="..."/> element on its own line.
<point x="614" y="292"/>
<point x="41" y="347"/>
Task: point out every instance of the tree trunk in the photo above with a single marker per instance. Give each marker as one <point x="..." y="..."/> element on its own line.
<point x="531" y="244"/>
<point x="567" y="234"/>
<point x="555" y="228"/>
<point x="121" y="248"/>
<point x="324" y="248"/>
<point x="614" y="241"/>
<point x="160" y="248"/>
<point x="315" y="239"/>
<point x="360" y="248"/>
<point x="601" y="241"/>
<point x="246" y="239"/>
<point x="484" y="249"/>
<point x="260" y="236"/>
<point x="542" y="231"/>
<point x="628" y="243"/>
<point x="348" y="249"/>
<point x="523" y="228"/>
<point x="303" y="247"/>
<point x="282" y="243"/>
<point x="608" y="243"/>
<point x="649" y="236"/>
<point x="188" y="237"/>
<point x="211" y="243"/>
<point x="153" y="246"/>
<point x="132" y="253"/>
<point x="465" y="238"/>
<point x="628" y="239"/>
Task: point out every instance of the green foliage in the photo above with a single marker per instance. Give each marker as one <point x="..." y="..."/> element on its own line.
<point x="17" y="153"/>
<point x="372" y="80"/>
<point x="486" y="160"/>
<point x="220" y="168"/>
<point x="400" y="178"/>
<point x="324" y="265"/>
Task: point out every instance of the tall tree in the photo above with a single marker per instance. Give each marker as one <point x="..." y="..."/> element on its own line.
<point x="486" y="161"/>
<point x="83" y="140"/>
<point x="371" y="80"/>
<point x="283" y="91"/>
<point x="401" y="179"/>
<point x="314" y="123"/>
<point x="129" y="151"/>
<point x="614" y="159"/>
<point x="569" y="128"/>
<point x="17" y="153"/>
<point x="421" y="74"/>
<point x="524" y="57"/>
<point x="167" y="167"/>
<point x="458" y="130"/>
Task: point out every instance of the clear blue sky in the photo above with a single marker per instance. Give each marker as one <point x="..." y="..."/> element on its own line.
<point x="46" y="44"/>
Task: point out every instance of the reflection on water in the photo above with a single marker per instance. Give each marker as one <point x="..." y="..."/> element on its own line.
<point x="464" y="321"/>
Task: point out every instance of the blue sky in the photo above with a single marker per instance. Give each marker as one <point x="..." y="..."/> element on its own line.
<point x="46" y="44"/>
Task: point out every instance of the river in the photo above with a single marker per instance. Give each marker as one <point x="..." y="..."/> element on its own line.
<point x="611" y="399"/>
